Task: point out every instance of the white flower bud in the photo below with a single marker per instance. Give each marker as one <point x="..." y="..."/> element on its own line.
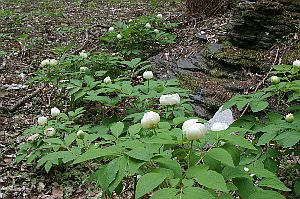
<point x="111" y="29"/>
<point x="55" y="112"/>
<point x="193" y="130"/>
<point x="275" y="80"/>
<point x="169" y="99"/>
<point x="130" y="20"/>
<point x="219" y="126"/>
<point x="83" y="54"/>
<point x="296" y="63"/>
<point x="53" y="62"/>
<point x="156" y="31"/>
<point x="159" y="16"/>
<point x="49" y="132"/>
<point x="42" y="120"/>
<point x="45" y="62"/>
<point x="148" y="25"/>
<point x="150" y="120"/>
<point x="83" y="69"/>
<point x="107" y="80"/>
<point x="80" y="134"/>
<point x="119" y="36"/>
<point x="289" y="118"/>
<point x="246" y="169"/>
<point x="148" y="75"/>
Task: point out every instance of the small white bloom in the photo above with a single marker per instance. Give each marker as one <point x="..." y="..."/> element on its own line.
<point x="159" y="16"/>
<point x="148" y="25"/>
<point x="289" y="118"/>
<point x="83" y="69"/>
<point x="150" y="120"/>
<point x="80" y="134"/>
<point x="119" y="36"/>
<point x="169" y="99"/>
<point x="55" y="112"/>
<point x="111" y="29"/>
<point x="33" y="137"/>
<point x="22" y="76"/>
<point x="83" y="54"/>
<point x="130" y="20"/>
<point x="193" y="130"/>
<point x="296" y="63"/>
<point x="219" y="126"/>
<point x="42" y="120"/>
<point x="148" y="75"/>
<point x="246" y="169"/>
<point x="107" y="80"/>
<point x="156" y="31"/>
<point x="138" y="177"/>
<point x="252" y="174"/>
<point x="49" y="132"/>
<point x="275" y="80"/>
<point x="45" y="62"/>
<point x="53" y="62"/>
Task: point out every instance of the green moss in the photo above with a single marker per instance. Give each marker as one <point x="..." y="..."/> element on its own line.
<point x="292" y="54"/>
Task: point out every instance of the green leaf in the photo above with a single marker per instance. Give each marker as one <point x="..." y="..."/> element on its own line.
<point x="134" y="129"/>
<point x="245" y="187"/>
<point x="196" y="192"/>
<point x="221" y="155"/>
<point x="117" y="129"/>
<point x="211" y="179"/>
<point x="139" y="154"/>
<point x="238" y="140"/>
<point x="297" y="187"/>
<point x="266" y="138"/>
<point x="167" y="193"/>
<point x="195" y="170"/>
<point x="170" y="164"/>
<point x="106" y="174"/>
<point x="257" y="106"/>
<point x="148" y="182"/>
<point x="273" y="183"/>
<point x="69" y="139"/>
<point x="263" y="194"/>
<point x="179" y="120"/>
<point x="93" y="153"/>
<point x="231" y="172"/>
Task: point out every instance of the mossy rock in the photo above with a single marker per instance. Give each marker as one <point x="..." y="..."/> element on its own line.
<point x="292" y="54"/>
<point x="233" y="59"/>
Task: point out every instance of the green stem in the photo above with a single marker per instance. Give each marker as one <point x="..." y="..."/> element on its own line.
<point x="148" y="85"/>
<point x="190" y="153"/>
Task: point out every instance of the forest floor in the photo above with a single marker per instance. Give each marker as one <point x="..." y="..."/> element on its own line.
<point x="32" y="31"/>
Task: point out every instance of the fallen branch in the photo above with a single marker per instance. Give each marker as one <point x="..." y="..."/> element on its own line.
<point x="19" y="103"/>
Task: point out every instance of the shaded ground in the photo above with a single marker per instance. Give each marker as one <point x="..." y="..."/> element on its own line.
<point x="34" y="30"/>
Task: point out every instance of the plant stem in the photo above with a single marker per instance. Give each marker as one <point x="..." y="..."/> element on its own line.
<point x="190" y="152"/>
<point x="148" y="86"/>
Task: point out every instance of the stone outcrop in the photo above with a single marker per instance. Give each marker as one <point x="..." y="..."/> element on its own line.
<point x="259" y="25"/>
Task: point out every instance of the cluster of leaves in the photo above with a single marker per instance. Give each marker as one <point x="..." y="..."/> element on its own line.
<point x="138" y="40"/>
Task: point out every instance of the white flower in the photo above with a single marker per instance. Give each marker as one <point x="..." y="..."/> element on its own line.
<point x="83" y="54"/>
<point x="296" y="63"/>
<point x="148" y="75"/>
<point x="219" y="126"/>
<point x="45" y="62"/>
<point x="80" y="134"/>
<point x="130" y="20"/>
<point x="42" y="120"/>
<point x="246" y="169"/>
<point x="156" y="31"/>
<point x="111" y="29"/>
<point x="150" y="120"/>
<point x="193" y="130"/>
<point x="33" y="137"/>
<point x="83" y="69"/>
<point x="119" y="36"/>
<point x="169" y="99"/>
<point x="275" y="80"/>
<point x="53" y="62"/>
<point x="289" y="118"/>
<point x="55" y="112"/>
<point x="148" y="25"/>
<point x="159" y="16"/>
<point x="138" y="177"/>
<point x="107" y="80"/>
<point x="49" y="132"/>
